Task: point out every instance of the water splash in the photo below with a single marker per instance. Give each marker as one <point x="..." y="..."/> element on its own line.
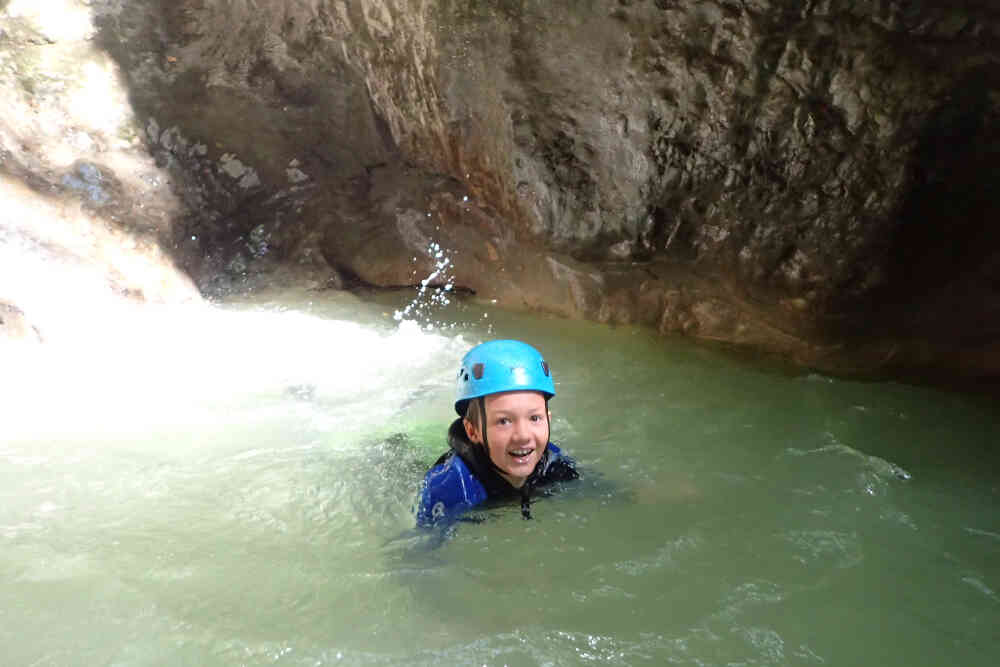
<point x="433" y="294"/>
<point x="978" y="584"/>
<point x="878" y="466"/>
<point x="983" y="533"/>
<point x="154" y="366"/>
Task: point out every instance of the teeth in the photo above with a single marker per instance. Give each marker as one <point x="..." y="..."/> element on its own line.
<point x="520" y="452"/>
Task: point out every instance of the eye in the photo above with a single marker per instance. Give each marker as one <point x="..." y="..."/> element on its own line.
<point x="536" y="418"/>
<point x="503" y="421"/>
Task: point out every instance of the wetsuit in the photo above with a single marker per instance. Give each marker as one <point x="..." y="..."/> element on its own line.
<point x="465" y="477"/>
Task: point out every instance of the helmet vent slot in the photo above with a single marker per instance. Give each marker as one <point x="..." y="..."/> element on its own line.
<point x="545" y="368"/>
<point x="477" y="371"/>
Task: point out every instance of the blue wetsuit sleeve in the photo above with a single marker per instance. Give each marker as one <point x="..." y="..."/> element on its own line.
<point x="449" y="490"/>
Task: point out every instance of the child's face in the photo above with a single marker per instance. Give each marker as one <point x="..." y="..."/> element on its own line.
<point x="517" y="430"/>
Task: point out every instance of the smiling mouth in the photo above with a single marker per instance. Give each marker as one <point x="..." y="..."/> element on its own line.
<point x="521" y="453"/>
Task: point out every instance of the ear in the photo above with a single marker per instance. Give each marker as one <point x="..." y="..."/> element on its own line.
<point x="472" y="431"/>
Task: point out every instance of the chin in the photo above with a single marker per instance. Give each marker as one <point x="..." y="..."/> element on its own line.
<point x="523" y="470"/>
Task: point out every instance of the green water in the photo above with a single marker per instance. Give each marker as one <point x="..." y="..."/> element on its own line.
<point x="239" y="490"/>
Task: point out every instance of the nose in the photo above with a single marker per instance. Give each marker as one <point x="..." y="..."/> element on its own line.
<point x="520" y="432"/>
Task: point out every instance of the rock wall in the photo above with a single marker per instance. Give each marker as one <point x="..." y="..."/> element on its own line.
<point x="807" y="178"/>
<point x="84" y="211"/>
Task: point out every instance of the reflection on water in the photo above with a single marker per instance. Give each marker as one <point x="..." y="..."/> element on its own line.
<point x="236" y="485"/>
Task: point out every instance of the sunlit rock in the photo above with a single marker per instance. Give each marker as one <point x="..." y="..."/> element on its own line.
<point x="15" y="326"/>
<point x="86" y="215"/>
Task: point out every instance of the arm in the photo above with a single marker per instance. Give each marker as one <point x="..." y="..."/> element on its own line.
<point x="448" y="491"/>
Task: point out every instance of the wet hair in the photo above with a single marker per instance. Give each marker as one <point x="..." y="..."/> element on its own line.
<point x="472" y="412"/>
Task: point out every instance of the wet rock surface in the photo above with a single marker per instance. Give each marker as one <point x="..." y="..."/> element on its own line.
<point x="84" y="210"/>
<point x="15" y="326"/>
<point x="812" y="179"/>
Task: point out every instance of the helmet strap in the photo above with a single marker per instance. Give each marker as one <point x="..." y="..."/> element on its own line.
<point x="548" y="421"/>
<point x="482" y="425"/>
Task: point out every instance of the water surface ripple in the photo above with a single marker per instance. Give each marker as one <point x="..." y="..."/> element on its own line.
<point x="234" y="486"/>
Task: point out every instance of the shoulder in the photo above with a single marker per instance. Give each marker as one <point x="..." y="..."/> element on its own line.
<point x="449" y="489"/>
<point x="558" y="466"/>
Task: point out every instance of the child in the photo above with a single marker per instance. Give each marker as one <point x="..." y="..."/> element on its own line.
<point x="500" y="444"/>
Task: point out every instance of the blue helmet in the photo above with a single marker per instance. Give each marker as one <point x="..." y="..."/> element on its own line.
<point x="501" y="365"/>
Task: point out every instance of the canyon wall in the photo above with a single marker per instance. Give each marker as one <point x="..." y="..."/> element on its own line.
<point x="810" y="179"/>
